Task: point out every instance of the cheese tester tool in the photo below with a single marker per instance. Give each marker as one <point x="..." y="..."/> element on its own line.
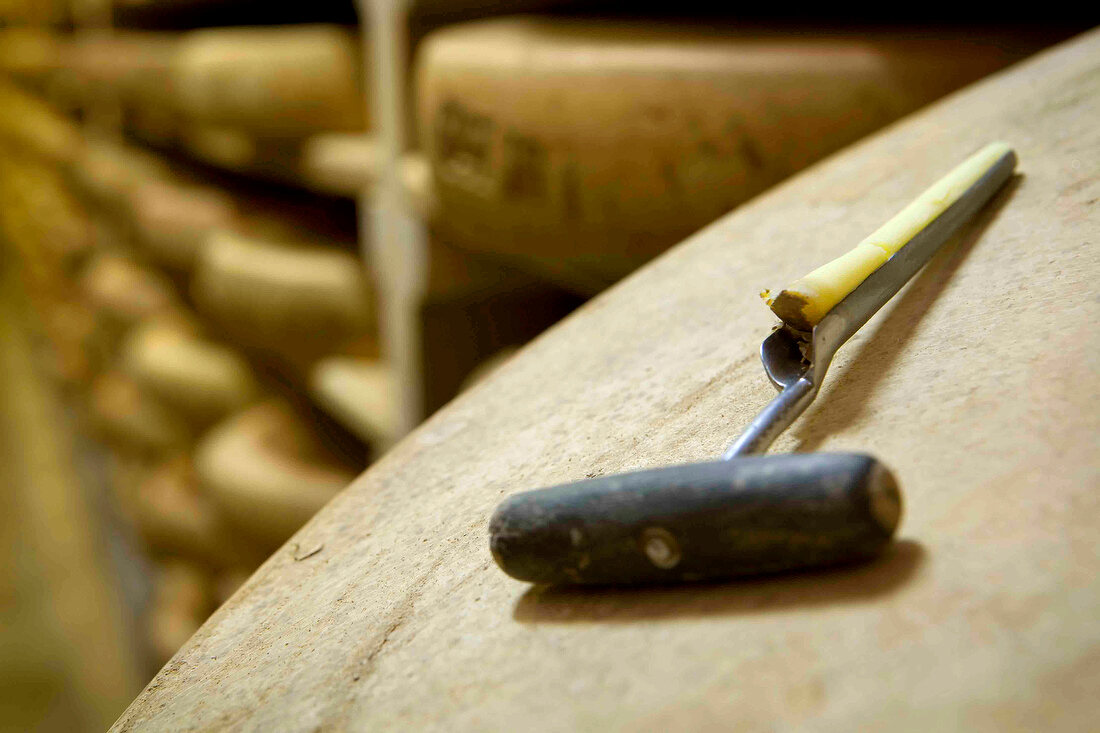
<point x="747" y="513"/>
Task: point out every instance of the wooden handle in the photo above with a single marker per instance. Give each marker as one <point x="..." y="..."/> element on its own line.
<point x="706" y="520"/>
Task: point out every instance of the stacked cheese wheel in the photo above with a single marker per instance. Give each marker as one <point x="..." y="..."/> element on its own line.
<point x="245" y="98"/>
<point x="582" y="149"/>
<point x="191" y="324"/>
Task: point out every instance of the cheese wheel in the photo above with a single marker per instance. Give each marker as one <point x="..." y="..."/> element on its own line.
<point x="172" y="220"/>
<point x="200" y="379"/>
<point x="585" y="148"/>
<point x="350" y="164"/>
<point x="32" y="124"/>
<point x="133" y="67"/>
<point x="228" y="582"/>
<point x="42" y="223"/>
<point x="126" y="471"/>
<point x="289" y="81"/>
<point x="176" y="519"/>
<point x="341" y="162"/>
<point x="126" y="415"/>
<point x="225" y="147"/>
<point x="181" y="602"/>
<point x="122" y="293"/>
<point x="146" y="87"/>
<point x="293" y="300"/>
<point x="267" y="472"/>
<point x="30" y="53"/>
<point x="361" y="394"/>
<point x="242" y="151"/>
<point x="110" y="174"/>
<point x="40" y="12"/>
<point x="488" y="367"/>
<point x="72" y="356"/>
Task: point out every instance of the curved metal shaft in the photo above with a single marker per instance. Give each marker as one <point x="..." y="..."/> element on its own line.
<point x="773" y="419"/>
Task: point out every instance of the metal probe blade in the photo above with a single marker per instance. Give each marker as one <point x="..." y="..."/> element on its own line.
<point x="799" y="372"/>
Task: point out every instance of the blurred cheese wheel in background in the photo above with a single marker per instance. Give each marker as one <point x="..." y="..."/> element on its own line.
<point x="123" y="292"/>
<point x="287" y="81"/>
<point x="228" y="581"/>
<point x="132" y="418"/>
<point x="32" y="124"/>
<point x="97" y="63"/>
<point x="361" y="394"/>
<point x="267" y="472"/>
<point x="416" y="179"/>
<point x="584" y="148"/>
<point x="30" y="54"/>
<point x="109" y="175"/>
<point x="176" y="519"/>
<point x="151" y="124"/>
<point x="299" y="301"/>
<point x="146" y="86"/>
<point x="124" y="289"/>
<point x="243" y="151"/>
<point x="350" y="163"/>
<point x="342" y="163"/>
<point x="488" y="367"/>
<point x="200" y="379"/>
<point x="72" y="354"/>
<point x="39" y="12"/>
<point x="56" y="223"/>
<point x="182" y="600"/>
<point x="226" y="147"/>
<point x="132" y="67"/>
<point x="42" y="224"/>
<point x="126" y="471"/>
<point x="173" y="219"/>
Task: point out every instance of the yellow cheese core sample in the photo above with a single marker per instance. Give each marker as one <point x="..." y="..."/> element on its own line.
<point x="806" y="301"/>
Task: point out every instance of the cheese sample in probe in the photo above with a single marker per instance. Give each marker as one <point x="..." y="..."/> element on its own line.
<point x="806" y="301"/>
